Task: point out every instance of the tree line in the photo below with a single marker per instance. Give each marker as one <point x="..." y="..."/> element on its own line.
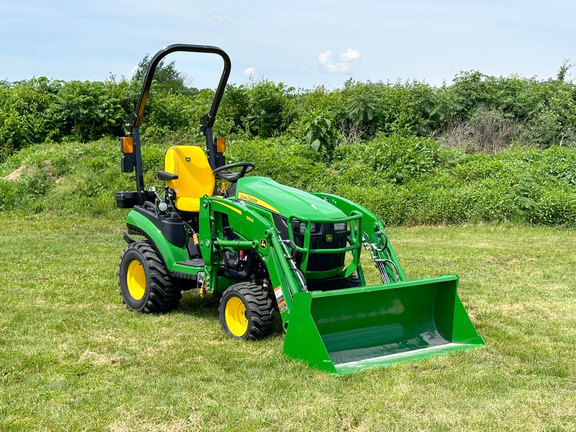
<point x="475" y="111"/>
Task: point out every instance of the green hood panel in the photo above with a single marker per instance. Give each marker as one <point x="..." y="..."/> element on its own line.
<point x="284" y="200"/>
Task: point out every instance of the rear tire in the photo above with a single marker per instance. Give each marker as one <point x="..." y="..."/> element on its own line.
<point x="144" y="282"/>
<point x="246" y="311"/>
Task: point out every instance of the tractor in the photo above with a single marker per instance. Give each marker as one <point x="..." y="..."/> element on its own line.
<point x="267" y="250"/>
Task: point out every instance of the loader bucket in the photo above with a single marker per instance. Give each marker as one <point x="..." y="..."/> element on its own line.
<point x="348" y="330"/>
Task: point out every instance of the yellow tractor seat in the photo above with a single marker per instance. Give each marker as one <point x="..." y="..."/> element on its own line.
<point x="194" y="176"/>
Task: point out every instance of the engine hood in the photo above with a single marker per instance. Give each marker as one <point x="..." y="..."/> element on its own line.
<point x="284" y="200"/>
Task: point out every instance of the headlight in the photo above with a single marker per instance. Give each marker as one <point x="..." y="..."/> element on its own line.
<point x="314" y="228"/>
<point x="340" y="226"/>
<point x="301" y="227"/>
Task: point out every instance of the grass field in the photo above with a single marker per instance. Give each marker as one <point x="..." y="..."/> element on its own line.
<point x="73" y="358"/>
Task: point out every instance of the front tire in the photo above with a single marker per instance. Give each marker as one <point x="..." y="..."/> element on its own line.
<point x="144" y="282"/>
<point x="246" y="311"/>
<point x="353" y="281"/>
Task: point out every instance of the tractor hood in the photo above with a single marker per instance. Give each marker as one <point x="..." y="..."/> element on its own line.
<point x="284" y="200"/>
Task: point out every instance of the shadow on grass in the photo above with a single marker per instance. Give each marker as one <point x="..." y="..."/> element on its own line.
<point x="193" y="304"/>
<point x="207" y="307"/>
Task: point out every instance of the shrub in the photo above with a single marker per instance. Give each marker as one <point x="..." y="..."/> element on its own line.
<point x="399" y="158"/>
<point x="320" y="132"/>
<point x="22" y="114"/>
<point x="285" y="160"/>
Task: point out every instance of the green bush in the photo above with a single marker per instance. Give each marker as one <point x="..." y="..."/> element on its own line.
<point x="405" y="180"/>
<point x="285" y="160"/>
<point x="476" y="111"/>
<point x="396" y="158"/>
<point x="67" y="177"/>
<point x="87" y="110"/>
<point x="22" y="114"/>
<point x="320" y="132"/>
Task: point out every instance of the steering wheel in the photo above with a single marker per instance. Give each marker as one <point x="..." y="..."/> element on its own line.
<point x="233" y="177"/>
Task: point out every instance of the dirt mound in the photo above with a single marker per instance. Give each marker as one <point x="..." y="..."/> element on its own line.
<point x="16" y="174"/>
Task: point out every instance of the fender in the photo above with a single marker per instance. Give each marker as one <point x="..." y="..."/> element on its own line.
<point x="139" y="223"/>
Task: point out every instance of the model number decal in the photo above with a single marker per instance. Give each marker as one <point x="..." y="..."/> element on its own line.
<point x="280" y="299"/>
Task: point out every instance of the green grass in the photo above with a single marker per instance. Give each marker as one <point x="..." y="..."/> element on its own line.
<point x="73" y="358"/>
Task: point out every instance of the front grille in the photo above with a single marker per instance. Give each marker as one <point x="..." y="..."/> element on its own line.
<point x="322" y="236"/>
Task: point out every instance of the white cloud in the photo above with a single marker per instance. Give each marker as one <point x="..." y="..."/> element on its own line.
<point x="349" y="55"/>
<point x="249" y="72"/>
<point x="133" y="71"/>
<point x="341" y="66"/>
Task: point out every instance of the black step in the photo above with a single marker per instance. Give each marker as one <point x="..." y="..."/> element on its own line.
<point x="194" y="262"/>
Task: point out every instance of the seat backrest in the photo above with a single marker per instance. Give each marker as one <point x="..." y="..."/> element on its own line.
<point x="195" y="178"/>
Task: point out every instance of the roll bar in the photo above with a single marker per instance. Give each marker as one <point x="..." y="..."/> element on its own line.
<point x="206" y="122"/>
<point x="135" y="118"/>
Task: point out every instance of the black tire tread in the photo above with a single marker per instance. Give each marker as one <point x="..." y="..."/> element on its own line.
<point x="164" y="294"/>
<point x="259" y="308"/>
<point x="353" y="281"/>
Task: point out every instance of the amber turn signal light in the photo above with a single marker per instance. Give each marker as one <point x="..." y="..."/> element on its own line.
<point x="220" y="145"/>
<point x="127" y="144"/>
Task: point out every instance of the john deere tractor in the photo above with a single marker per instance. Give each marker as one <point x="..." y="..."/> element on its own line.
<point x="262" y="247"/>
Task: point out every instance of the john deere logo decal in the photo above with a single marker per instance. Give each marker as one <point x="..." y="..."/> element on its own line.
<point x="263" y="244"/>
<point x="329" y="238"/>
<point x="188" y="159"/>
<point x="251" y="199"/>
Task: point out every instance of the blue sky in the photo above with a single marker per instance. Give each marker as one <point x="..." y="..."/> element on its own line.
<point x="303" y="43"/>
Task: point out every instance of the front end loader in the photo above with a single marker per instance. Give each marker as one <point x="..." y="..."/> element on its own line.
<point x="262" y="247"/>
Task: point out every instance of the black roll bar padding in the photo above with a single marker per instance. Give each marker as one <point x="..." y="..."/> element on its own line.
<point x="139" y="168"/>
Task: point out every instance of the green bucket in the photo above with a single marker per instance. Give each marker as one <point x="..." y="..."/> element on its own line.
<point x="352" y="329"/>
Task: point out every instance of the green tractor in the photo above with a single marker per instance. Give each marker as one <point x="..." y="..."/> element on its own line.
<point x="262" y="247"/>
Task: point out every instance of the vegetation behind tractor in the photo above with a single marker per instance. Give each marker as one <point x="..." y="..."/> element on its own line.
<point x="261" y="246"/>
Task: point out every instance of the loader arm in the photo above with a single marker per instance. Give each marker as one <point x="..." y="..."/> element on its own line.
<point x="374" y="237"/>
<point x="258" y="234"/>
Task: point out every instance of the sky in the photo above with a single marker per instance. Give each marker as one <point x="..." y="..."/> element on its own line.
<point x="302" y="43"/>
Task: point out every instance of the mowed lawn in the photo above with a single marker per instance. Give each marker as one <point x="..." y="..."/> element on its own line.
<point x="73" y="358"/>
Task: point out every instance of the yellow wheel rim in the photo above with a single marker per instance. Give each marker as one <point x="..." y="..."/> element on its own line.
<point x="235" y="314"/>
<point x="136" y="280"/>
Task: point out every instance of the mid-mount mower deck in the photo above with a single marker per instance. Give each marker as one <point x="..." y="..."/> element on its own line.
<point x="261" y="246"/>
